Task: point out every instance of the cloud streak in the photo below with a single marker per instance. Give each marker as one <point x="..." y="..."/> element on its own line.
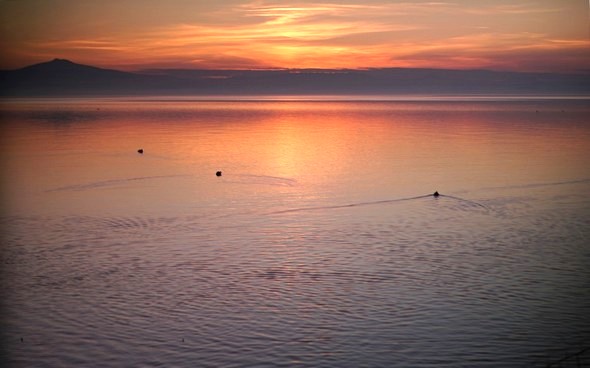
<point x="348" y="34"/>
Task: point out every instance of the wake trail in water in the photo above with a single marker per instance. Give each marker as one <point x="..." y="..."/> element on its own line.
<point x="348" y="205"/>
<point x="261" y="180"/>
<point x="372" y="203"/>
<point x="540" y="185"/>
<point x="112" y="182"/>
<point x="465" y="201"/>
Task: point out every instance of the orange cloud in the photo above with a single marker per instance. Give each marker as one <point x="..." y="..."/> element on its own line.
<point x="260" y="34"/>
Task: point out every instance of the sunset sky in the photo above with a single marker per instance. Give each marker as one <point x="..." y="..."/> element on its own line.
<point x="527" y="35"/>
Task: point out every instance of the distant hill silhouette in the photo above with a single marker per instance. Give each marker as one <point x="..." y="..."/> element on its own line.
<point x="64" y="78"/>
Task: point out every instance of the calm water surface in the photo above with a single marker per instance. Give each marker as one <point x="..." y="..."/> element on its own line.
<point x="320" y="246"/>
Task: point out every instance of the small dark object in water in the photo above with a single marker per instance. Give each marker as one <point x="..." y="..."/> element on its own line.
<point x="22" y="340"/>
<point x="218" y="173"/>
<point x="140" y="151"/>
<point x="435" y="194"/>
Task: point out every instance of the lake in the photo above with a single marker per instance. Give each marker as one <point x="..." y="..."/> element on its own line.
<point x="320" y="245"/>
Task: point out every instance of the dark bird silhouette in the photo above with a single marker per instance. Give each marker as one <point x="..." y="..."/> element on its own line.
<point x="140" y="151"/>
<point x="435" y="194"/>
<point x="218" y="173"/>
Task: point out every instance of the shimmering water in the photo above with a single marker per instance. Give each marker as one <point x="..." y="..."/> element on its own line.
<point x="319" y="246"/>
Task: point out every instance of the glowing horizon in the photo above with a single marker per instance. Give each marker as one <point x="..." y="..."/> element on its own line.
<point x="540" y="35"/>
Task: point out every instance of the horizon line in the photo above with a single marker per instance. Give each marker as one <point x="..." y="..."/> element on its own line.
<point x="58" y="59"/>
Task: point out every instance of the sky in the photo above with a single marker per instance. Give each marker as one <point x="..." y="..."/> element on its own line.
<point x="518" y="35"/>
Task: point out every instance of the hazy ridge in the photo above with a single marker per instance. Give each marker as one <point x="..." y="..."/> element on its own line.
<point x="61" y="77"/>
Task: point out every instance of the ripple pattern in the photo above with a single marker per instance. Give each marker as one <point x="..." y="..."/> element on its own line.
<point x="370" y="284"/>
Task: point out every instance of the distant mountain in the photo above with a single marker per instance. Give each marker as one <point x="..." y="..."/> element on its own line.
<point x="64" y="78"/>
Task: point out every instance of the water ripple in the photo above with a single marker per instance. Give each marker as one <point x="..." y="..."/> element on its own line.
<point x="112" y="182"/>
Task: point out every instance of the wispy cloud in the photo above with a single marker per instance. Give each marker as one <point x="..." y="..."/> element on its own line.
<point x="82" y="44"/>
<point x="512" y="9"/>
<point x="343" y="34"/>
<point x="322" y="35"/>
<point x="529" y="51"/>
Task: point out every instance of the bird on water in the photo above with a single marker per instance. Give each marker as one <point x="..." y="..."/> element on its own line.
<point x="218" y="173"/>
<point x="435" y="194"/>
<point x="140" y="151"/>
